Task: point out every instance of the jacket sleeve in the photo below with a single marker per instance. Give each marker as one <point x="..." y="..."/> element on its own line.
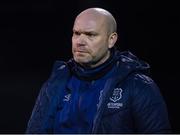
<point x="148" y="107"/>
<point x="36" y="121"/>
<point x="43" y="114"/>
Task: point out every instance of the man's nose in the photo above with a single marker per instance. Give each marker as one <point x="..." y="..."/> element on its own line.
<point x="81" y="40"/>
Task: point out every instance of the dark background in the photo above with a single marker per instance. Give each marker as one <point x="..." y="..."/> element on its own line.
<point x="35" y="33"/>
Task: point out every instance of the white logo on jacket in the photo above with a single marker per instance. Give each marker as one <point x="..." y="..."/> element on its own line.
<point x="67" y="97"/>
<point x="116" y="96"/>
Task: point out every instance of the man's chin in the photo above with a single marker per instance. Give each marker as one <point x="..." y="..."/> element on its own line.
<point x="81" y="61"/>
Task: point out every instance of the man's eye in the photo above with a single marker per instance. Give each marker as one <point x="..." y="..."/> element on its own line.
<point x="76" y="33"/>
<point x="90" y="34"/>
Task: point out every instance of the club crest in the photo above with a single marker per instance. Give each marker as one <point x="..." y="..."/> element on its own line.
<point x="117" y="95"/>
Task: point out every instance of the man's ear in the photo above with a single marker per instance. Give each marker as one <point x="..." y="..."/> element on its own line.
<point x="112" y="39"/>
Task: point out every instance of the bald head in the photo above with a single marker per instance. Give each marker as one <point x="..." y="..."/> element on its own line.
<point x="94" y="34"/>
<point x="100" y="14"/>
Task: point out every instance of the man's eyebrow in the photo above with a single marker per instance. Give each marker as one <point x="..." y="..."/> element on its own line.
<point x="85" y="32"/>
<point x="90" y="32"/>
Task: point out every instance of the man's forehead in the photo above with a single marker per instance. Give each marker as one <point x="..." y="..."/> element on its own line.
<point x="87" y="25"/>
<point x="88" y="22"/>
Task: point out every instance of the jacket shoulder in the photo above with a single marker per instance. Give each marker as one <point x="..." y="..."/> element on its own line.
<point x="59" y="67"/>
<point x="144" y="86"/>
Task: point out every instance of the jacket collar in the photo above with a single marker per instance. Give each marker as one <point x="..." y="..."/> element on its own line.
<point x="92" y="73"/>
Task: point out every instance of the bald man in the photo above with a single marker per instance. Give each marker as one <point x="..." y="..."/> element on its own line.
<point x="99" y="90"/>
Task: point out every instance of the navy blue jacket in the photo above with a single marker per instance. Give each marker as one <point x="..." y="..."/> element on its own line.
<point x="130" y="102"/>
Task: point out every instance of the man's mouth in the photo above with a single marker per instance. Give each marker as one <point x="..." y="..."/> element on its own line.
<point x="81" y="50"/>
